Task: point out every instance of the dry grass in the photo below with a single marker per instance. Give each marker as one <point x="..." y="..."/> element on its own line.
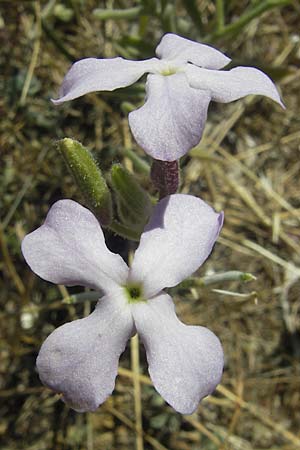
<point x="247" y="164"/>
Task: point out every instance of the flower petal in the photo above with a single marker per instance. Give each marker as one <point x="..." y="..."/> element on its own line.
<point x="69" y="248"/>
<point x="92" y="74"/>
<point x="183" y="50"/>
<point x="185" y="362"/>
<point x="226" y="86"/>
<point x="177" y="240"/>
<point x="80" y="359"/>
<point x="172" y="120"/>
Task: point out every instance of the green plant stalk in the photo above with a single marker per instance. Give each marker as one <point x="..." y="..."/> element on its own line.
<point x="231" y="275"/>
<point x="220" y="14"/>
<point x="91" y="296"/>
<point x="139" y="164"/>
<point x="117" y="14"/>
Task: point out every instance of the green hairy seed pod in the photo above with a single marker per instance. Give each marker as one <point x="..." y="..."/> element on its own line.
<point x="88" y="177"/>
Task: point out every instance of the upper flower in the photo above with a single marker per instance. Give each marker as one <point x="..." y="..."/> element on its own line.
<point x="178" y="91"/>
<point x="80" y="359"/>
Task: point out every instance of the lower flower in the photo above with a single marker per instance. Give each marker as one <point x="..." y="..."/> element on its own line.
<point x="80" y="359"/>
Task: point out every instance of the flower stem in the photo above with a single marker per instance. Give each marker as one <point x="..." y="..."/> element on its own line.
<point x="220" y="14"/>
<point x="35" y="54"/>
<point x="135" y="366"/>
<point x="165" y="177"/>
<point x="140" y="165"/>
<point x="231" y="275"/>
<point x="82" y="297"/>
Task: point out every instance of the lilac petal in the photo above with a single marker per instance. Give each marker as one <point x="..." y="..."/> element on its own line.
<point x="80" y="359"/>
<point x="177" y="240"/>
<point x="226" y="86"/>
<point x="173" y="47"/>
<point x="185" y="362"/>
<point x="92" y="74"/>
<point x="172" y="120"/>
<point x="69" y="248"/>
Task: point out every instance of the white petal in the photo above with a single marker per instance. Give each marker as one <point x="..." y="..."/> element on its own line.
<point x="177" y="240"/>
<point x="172" y="120"/>
<point x="185" y="362"/>
<point x="226" y="86"/>
<point x="69" y="248"/>
<point x="92" y="74"/>
<point x="80" y="359"/>
<point x="183" y="50"/>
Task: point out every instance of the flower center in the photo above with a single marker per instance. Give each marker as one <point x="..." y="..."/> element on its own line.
<point x="167" y="68"/>
<point x="168" y="71"/>
<point x="134" y="293"/>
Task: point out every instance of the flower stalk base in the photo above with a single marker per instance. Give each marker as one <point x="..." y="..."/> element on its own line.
<point x="165" y="177"/>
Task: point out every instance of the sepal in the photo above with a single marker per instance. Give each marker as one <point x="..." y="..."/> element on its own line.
<point x="133" y="202"/>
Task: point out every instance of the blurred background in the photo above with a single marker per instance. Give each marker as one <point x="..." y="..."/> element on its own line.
<point x="247" y="164"/>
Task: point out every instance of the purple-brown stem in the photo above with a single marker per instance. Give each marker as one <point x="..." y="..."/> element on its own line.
<point x="165" y="177"/>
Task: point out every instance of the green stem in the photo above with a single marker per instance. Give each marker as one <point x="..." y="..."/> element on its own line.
<point x="117" y="14"/>
<point x="231" y="275"/>
<point x="140" y="165"/>
<point x="91" y="296"/>
<point x="220" y="15"/>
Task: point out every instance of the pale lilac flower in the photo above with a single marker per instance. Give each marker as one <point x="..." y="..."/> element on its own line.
<point x="179" y="87"/>
<point x="80" y="359"/>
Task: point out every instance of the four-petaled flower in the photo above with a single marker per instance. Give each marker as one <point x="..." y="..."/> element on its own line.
<point x="80" y="359"/>
<point x="179" y="87"/>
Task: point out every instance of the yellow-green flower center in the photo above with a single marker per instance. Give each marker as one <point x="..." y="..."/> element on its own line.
<point x="168" y="71"/>
<point x="134" y="293"/>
